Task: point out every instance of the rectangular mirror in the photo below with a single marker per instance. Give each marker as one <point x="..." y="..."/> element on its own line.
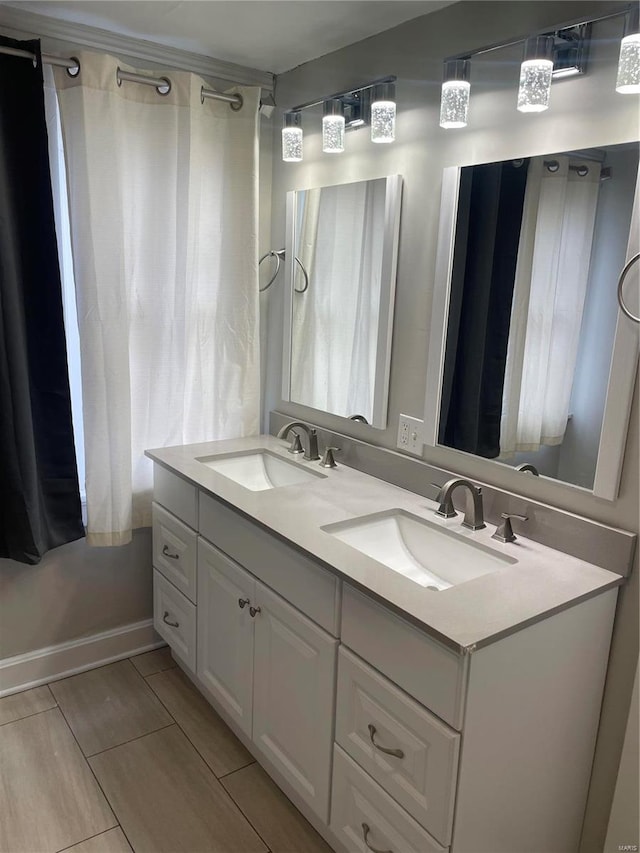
<point x="531" y="364"/>
<point x="341" y="250"/>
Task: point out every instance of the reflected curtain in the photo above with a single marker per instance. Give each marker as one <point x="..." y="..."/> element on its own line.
<point x="163" y="211"/>
<point x="549" y="295"/>
<point x="335" y="323"/>
<point x="39" y="499"/>
<point x="482" y="288"/>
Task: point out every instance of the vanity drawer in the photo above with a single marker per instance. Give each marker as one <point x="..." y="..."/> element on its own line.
<point x="364" y="817"/>
<point x="176" y="495"/>
<point x="170" y="606"/>
<point x="302" y="582"/>
<point x="174" y="551"/>
<point x="372" y="716"/>
<point x="428" y="671"/>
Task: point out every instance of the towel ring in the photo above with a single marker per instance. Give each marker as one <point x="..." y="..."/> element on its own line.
<point x="279" y="255"/>
<point x="623" y="275"/>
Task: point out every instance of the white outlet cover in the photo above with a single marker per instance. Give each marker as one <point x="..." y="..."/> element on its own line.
<point x="410" y="435"/>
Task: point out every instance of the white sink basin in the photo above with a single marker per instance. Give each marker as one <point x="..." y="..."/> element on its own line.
<point x="426" y="553"/>
<point x="259" y="469"/>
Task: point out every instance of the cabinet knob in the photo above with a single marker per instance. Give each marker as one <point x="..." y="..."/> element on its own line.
<point x="168" y="621"/>
<point x="242" y="602"/>
<point x="397" y="753"/>
<point x="254" y="610"/>
<point x="167" y="553"/>
<point x="365" y="837"/>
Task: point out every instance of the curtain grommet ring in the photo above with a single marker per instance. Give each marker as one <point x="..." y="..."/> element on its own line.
<point x="237" y="105"/>
<point x="74" y="70"/>
<point x="118" y="78"/>
<point x="166" y="86"/>
<point x="202" y="94"/>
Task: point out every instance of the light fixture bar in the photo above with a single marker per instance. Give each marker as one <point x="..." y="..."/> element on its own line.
<point x="622" y="9"/>
<point x="346" y="94"/>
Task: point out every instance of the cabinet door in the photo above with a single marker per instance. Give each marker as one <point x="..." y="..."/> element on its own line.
<point x="225" y="632"/>
<point x="293" y="697"/>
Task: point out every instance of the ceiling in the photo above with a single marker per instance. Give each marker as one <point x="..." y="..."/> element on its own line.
<point x="268" y="35"/>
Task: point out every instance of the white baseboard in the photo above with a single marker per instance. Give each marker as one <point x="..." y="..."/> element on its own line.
<point x="54" y="662"/>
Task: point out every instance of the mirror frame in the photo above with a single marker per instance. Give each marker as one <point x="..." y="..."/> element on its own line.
<point x="392" y="202"/>
<point x="622" y="370"/>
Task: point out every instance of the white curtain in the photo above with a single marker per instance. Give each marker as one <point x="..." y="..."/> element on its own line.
<point x="163" y="209"/>
<point x="546" y="316"/>
<point x="335" y="323"/>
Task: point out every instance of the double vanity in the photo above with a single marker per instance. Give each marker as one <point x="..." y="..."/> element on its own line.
<point x="410" y="683"/>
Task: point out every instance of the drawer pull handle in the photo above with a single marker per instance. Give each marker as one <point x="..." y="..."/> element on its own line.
<point x="365" y="835"/>
<point x="397" y="753"/>
<point x="242" y="602"/>
<point x="254" y="610"/>
<point x="167" y="553"/>
<point x="164" y="619"/>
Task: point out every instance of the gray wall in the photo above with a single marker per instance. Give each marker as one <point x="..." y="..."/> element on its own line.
<point x="73" y="592"/>
<point x="584" y="112"/>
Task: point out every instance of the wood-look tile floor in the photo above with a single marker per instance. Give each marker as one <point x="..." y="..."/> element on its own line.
<point x="130" y="757"/>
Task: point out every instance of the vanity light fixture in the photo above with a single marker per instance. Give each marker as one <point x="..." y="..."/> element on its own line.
<point x="373" y="104"/>
<point x="454" y="101"/>
<point x="628" y="81"/>
<point x="333" y="126"/>
<point x="383" y="113"/>
<point x="292" y="137"/>
<point x="535" y="74"/>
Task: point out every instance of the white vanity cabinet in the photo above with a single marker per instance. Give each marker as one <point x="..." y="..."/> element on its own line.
<point x="526" y="707"/>
<point x="386" y="737"/>
<point x="255" y="623"/>
<point x="271" y="669"/>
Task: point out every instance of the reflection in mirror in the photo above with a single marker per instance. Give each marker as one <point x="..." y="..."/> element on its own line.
<point x="532" y="311"/>
<point x="341" y="261"/>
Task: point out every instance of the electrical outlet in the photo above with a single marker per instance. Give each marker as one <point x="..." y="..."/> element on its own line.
<point x="411" y="435"/>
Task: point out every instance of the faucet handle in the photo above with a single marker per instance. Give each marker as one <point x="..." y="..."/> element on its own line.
<point x="327" y="460"/>
<point x="296" y="444"/>
<point x="504" y="533"/>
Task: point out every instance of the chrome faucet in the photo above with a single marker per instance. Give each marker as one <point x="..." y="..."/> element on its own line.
<point x="311" y="450"/>
<point x="473" y="516"/>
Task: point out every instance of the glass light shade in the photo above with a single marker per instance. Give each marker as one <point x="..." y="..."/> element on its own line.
<point x="628" y="82"/>
<point x="454" y="103"/>
<point x="535" y="85"/>
<point x="383" y="121"/>
<point x="383" y="112"/>
<point x="292" y="144"/>
<point x="333" y="134"/>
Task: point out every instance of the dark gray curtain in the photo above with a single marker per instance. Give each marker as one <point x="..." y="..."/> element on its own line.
<point x="39" y="498"/>
<point x="491" y="201"/>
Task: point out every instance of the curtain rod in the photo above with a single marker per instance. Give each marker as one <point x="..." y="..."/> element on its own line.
<point x="72" y="65"/>
<point x="162" y="84"/>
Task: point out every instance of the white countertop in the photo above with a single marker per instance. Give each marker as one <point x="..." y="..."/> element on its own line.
<point x="468" y="615"/>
